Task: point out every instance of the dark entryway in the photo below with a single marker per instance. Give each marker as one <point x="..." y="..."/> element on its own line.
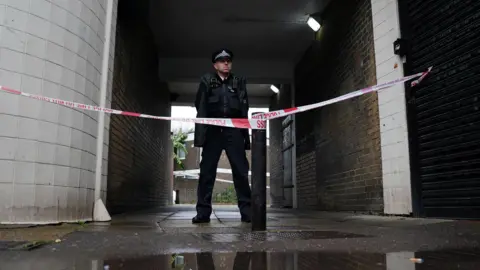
<point x="443" y="111"/>
<point x="287" y="151"/>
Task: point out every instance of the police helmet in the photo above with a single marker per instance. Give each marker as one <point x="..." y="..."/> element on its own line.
<point x="221" y="54"/>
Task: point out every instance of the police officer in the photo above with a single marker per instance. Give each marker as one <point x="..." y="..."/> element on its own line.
<point x="222" y="95"/>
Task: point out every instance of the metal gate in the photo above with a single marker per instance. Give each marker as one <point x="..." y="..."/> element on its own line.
<point x="287" y="151"/>
<point x="443" y="111"/>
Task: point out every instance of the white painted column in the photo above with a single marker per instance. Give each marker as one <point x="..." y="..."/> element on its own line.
<point x="100" y="212"/>
<point x="392" y="110"/>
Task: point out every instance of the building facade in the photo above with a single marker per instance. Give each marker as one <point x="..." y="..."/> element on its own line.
<point x="48" y="152"/>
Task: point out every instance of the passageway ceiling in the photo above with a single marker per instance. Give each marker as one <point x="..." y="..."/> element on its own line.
<point x="267" y="37"/>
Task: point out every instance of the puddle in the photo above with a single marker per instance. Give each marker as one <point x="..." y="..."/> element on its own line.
<point x="453" y="259"/>
<point x="437" y="260"/>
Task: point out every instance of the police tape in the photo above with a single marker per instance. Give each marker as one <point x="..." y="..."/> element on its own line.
<point x="258" y="121"/>
<point x="284" y="112"/>
<point x="237" y="123"/>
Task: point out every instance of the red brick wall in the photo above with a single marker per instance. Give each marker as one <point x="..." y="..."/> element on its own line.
<point x="338" y="146"/>
<point x="139" y="169"/>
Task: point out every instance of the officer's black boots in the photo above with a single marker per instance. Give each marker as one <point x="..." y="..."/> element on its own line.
<point x="246" y="219"/>
<point x="197" y="220"/>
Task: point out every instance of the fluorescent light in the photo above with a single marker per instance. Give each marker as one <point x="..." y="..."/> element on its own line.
<point x="274" y="89"/>
<point x="313" y="24"/>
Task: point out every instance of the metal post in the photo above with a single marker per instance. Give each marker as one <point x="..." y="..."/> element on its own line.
<point x="259" y="179"/>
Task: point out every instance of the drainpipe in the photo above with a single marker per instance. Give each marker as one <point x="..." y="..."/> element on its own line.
<point x="100" y="212"/>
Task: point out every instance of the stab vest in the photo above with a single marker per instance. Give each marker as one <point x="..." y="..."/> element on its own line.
<point x="220" y="100"/>
<point x="225" y="99"/>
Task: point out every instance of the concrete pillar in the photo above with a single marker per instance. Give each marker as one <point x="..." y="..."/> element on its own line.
<point x="392" y="110"/>
<point x="47" y="152"/>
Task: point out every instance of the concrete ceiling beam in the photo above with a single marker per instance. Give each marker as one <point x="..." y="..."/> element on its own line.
<point x="256" y="71"/>
<point x="188" y="100"/>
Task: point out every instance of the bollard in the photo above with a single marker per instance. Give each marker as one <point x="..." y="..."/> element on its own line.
<point x="259" y="179"/>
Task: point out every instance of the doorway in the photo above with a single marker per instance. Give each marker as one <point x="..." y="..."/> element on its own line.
<point x="287" y="153"/>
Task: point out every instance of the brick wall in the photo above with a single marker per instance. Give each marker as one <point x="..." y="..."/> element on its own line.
<point x="306" y="171"/>
<point x="139" y="174"/>
<point x="338" y="146"/>
<point x="279" y="101"/>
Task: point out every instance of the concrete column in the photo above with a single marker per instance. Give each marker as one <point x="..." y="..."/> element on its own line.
<point x="47" y="152"/>
<point x="392" y="110"/>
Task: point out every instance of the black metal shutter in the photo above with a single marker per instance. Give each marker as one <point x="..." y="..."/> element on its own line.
<point x="444" y="115"/>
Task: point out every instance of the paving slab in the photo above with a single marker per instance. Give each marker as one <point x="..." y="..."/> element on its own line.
<point x="38" y="233"/>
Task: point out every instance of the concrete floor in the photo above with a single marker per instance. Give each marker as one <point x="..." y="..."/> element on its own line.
<point x="294" y="240"/>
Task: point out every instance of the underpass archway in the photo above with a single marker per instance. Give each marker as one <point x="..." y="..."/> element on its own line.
<point x="351" y="156"/>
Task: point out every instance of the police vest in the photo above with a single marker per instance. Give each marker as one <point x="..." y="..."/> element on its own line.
<point x="224" y="99"/>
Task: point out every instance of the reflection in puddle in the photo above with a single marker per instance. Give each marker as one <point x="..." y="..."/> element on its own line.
<point x="437" y="260"/>
<point x="452" y="259"/>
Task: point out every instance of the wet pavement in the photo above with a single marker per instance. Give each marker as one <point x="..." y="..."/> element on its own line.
<point x="166" y="239"/>
<point x="36" y="233"/>
<point x="438" y="260"/>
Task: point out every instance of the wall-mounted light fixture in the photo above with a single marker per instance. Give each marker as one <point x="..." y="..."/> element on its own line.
<point x="274" y="89"/>
<point x="313" y="24"/>
<point x="400" y="47"/>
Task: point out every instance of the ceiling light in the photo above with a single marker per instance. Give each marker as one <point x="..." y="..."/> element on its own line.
<point x="313" y="24"/>
<point x="274" y="89"/>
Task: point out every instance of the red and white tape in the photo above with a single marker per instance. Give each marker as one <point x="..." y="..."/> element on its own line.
<point x="258" y="121"/>
<point x="285" y="112"/>
<point x="224" y="122"/>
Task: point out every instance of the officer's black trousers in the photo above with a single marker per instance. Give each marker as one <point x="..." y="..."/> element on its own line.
<point x="231" y="140"/>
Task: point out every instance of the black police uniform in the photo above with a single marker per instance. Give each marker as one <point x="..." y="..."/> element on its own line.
<point x="217" y="98"/>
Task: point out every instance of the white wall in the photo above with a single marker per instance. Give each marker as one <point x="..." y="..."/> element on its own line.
<point x="392" y="110"/>
<point x="47" y="152"/>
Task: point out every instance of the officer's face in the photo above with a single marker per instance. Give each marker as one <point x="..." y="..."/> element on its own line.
<point x="223" y="65"/>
